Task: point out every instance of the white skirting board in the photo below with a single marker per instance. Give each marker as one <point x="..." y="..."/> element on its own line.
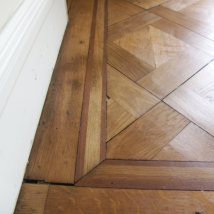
<point x="24" y="78"/>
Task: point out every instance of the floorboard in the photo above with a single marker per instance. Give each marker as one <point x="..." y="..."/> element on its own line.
<point x="78" y="200"/>
<point x="151" y="175"/>
<point x="32" y="199"/>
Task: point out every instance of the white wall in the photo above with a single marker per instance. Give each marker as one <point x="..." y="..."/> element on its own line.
<point x="29" y="44"/>
<point x="7" y="9"/>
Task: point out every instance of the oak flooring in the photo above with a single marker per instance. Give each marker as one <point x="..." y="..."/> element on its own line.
<point x="195" y="98"/>
<point x="148" y="135"/>
<point x="129" y="114"/>
<point x="78" y="200"/>
<point x="151" y="175"/>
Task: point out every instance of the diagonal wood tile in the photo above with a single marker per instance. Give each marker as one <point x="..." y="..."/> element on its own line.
<point x="153" y="46"/>
<point x="129" y="95"/>
<point x="195" y="99"/>
<point x="121" y="9"/>
<point x="189" y="37"/>
<point x="117" y="118"/>
<point x="148" y="135"/>
<point x="132" y="24"/>
<point x="196" y="25"/>
<point x="147" y="3"/>
<point x="170" y="75"/>
<point x="201" y="10"/>
<point x="127" y="63"/>
<point x="192" y="144"/>
<point x="151" y="175"/>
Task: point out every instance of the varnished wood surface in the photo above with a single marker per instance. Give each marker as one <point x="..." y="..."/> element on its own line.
<point x="194" y="99"/>
<point x="127" y="63"/>
<point x="79" y="68"/>
<point x="147" y="3"/>
<point x="148" y="135"/>
<point x="122" y="90"/>
<point x="119" y="10"/>
<point x="152" y="175"/>
<point x="78" y="200"/>
<point x="170" y="75"/>
<point x="32" y="199"/>
<point x="91" y="148"/>
<point x="159" y="114"/>
<point x="191" y="144"/>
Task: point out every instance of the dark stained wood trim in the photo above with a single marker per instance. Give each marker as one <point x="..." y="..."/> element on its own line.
<point x="86" y="97"/>
<point x="96" y="33"/>
<point x="103" y="135"/>
<point x="151" y="175"/>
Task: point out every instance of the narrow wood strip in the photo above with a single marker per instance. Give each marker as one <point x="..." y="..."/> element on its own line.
<point x="153" y="175"/>
<point x="53" y="156"/>
<point x="126" y="201"/>
<point x="127" y="63"/>
<point x="197" y="26"/>
<point x="32" y="199"/>
<point x="94" y="108"/>
<point x="131" y="24"/>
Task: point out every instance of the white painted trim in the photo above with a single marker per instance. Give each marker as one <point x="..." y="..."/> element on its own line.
<point x="25" y="76"/>
<point x="16" y="41"/>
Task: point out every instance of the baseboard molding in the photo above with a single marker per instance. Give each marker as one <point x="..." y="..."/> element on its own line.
<point x="30" y="45"/>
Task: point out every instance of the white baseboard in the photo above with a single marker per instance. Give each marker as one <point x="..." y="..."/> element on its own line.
<point x="24" y="80"/>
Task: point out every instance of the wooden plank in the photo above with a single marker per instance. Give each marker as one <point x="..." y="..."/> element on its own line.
<point x="120" y="9"/>
<point x="197" y="26"/>
<point x="131" y="24"/>
<point x="117" y="118"/>
<point x="147" y="4"/>
<point x="129" y="95"/>
<point x="32" y="199"/>
<point x="195" y="98"/>
<point x="92" y="200"/>
<point x="53" y="156"/>
<point x="192" y="144"/>
<point x="170" y="75"/>
<point x="152" y="175"/>
<point x="191" y="38"/>
<point x="127" y="63"/>
<point x="148" y="135"/>
<point x="91" y="149"/>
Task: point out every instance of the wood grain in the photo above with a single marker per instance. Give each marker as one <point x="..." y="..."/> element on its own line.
<point x="192" y="144"/>
<point x="117" y="118"/>
<point x="191" y="38"/>
<point x="32" y="199"/>
<point x="91" y="149"/>
<point x="148" y="135"/>
<point x="152" y="175"/>
<point x="123" y="90"/>
<point x="53" y="156"/>
<point x="182" y="19"/>
<point x="147" y="4"/>
<point x="127" y="63"/>
<point x="120" y="9"/>
<point x="131" y="24"/>
<point x="125" y="201"/>
<point x="170" y="75"/>
<point x="195" y="98"/>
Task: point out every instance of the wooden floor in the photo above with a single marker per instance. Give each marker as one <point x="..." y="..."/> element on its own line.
<point x="128" y="122"/>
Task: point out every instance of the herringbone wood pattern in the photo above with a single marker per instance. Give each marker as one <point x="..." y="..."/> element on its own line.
<point x="160" y="113"/>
